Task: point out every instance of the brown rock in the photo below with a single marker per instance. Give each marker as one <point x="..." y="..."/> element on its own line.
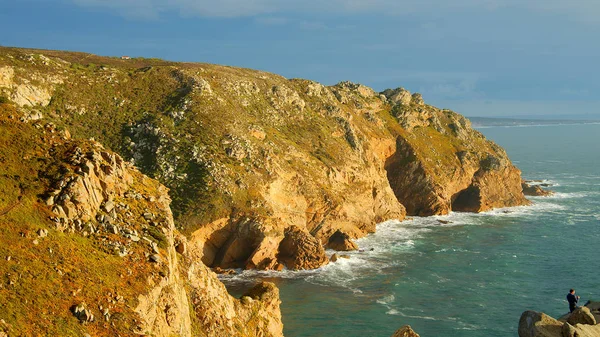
<point x="333" y="258"/>
<point x="300" y="250"/>
<point x="469" y="173"/>
<point x="264" y="256"/>
<point x="534" y="190"/>
<point x="340" y="241"/>
<point x="405" y="331"/>
<point x="581" y="315"/>
<point x="180" y="247"/>
<point x="219" y="270"/>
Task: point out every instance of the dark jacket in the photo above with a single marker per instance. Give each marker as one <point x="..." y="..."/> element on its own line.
<point x="572" y="299"/>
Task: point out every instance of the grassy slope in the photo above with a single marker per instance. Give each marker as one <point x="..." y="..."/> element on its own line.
<point x="40" y="282"/>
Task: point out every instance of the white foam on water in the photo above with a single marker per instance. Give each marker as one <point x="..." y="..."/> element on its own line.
<point x="466" y="326"/>
<point x="387" y="300"/>
<point x="396" y="312"/>
<point x="549" y="182"/>
<point x="383" y="251"/>
<point x="566" y="195"/>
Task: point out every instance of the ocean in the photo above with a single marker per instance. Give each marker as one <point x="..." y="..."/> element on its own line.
<point x="475" y="275"/>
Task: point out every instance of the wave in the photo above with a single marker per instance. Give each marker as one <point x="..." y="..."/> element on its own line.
<point x="566" y="195"/>
<point x="386" y="300"/>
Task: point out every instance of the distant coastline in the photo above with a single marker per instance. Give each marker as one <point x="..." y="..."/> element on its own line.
<point x="483" y="122"/>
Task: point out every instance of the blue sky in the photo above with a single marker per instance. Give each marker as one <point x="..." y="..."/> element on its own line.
<point x="478" y="57"/>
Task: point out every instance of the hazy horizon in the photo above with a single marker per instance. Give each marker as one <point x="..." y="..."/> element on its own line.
<point x="480" y="58"/>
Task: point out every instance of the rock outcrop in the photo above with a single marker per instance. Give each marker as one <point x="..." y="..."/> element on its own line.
<point x="300" y="250"/>
<point x="340" y="241"/>
<point x="534" y="190"/>
<point x="581" y="315"/>
<point x="442" y="164"/>
<point x="578" y="324"/>
<point x="405" y="331"/>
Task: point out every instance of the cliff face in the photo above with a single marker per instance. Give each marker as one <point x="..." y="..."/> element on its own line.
<point x="263" y="170"/>
<point x="442" y="164"/>
<point x="89" y="245"/>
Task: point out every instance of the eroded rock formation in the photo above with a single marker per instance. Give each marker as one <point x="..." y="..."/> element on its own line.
<point x="442" y="164"/>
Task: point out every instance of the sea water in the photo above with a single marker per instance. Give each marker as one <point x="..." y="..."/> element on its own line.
<point x="475" y="274"/>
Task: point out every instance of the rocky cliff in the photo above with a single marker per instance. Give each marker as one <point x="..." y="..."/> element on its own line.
<point x="264" y="171"/>
<point x="89" y="247"/>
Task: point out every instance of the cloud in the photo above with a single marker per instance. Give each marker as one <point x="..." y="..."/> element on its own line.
<point x="586" y="10"/>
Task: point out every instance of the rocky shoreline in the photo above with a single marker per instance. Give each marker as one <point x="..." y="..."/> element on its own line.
<point x="261" y="172"/>
<point x="583" y="322"/>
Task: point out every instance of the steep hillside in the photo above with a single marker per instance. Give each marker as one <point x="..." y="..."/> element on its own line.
<point x="263" y="170"/>
<point x="88" y="246"/>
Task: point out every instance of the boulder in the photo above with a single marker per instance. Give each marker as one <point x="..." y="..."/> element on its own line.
<point x="568" y="330"/>
<point x="581" y="315"/>
<point x="399" y="96"/>
<point x="82" y="313"/>
<point x="300" y="250"/>
<point x="340" y="241"/>
<point x="405" y="331"/>
<point x="538" y="324"/>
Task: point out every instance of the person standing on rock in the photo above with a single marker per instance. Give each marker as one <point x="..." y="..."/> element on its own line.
<point x="572" y="299"/>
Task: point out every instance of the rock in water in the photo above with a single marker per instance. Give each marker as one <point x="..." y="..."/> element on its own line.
<point x="581" y="315"/>
<point x="405" y="331"/>
<point x="534" y="190"/>
<point x="340" y="241"/>
<point x="300" y="250"/>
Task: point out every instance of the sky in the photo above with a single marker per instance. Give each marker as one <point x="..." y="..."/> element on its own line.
<point x="518" y="58"/>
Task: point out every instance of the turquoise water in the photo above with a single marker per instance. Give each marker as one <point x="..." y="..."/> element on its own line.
<point x="475" y="275"/>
